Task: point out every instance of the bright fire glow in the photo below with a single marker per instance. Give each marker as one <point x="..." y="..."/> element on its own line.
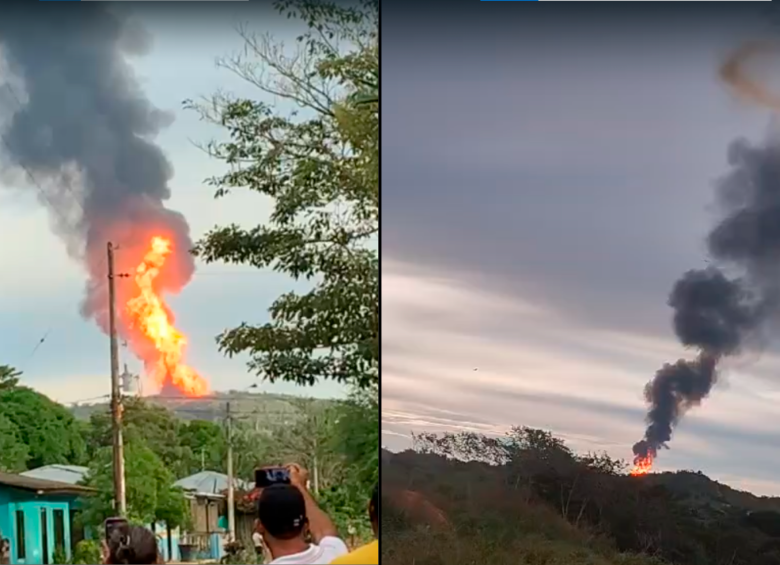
<point x="148" y="313"/>
<point x="642" y="466"/>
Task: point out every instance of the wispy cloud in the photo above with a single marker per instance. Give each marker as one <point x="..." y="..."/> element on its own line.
<point x="459" y="359"/>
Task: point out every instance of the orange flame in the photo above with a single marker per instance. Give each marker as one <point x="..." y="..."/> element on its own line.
<point x="148" y="313"/>
<point x="642" y="466"/>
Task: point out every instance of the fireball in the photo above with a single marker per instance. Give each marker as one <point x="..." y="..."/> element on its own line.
<point x="148" y="314"/>
<point x="642" y="466"/>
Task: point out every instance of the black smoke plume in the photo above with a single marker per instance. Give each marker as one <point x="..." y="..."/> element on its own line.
<point x="715" y="313"/>
<point x="79" y="130"/>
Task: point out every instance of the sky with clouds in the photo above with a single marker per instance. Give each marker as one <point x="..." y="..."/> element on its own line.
<point x="42" y="287"/>
<point x="546" y="178"/>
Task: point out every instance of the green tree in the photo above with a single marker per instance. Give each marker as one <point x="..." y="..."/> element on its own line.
<point x="9" y="377"/>
<point x="154" y="426"/>
<point x="309" y="442"/>
<point x="48" y="429"/>
<point x="319" y="167"/>
<point x="13" y="451"/>
<point x="206" y="442"/>
<point x="150" y="494"/>
<point x="356" y="436"/>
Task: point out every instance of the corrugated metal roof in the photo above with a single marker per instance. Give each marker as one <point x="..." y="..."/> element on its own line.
<point x="70" y="474"/>
<point x="30" y="483"/>
<point x="208" y="482"/>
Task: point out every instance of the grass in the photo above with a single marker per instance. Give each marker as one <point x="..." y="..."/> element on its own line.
<point x="488" y="523"/>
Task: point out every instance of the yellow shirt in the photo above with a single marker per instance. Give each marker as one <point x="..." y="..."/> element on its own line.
<point x="366" y="555"/>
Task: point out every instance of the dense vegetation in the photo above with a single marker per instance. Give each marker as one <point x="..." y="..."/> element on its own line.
<point x="528" y="498"/>
<point x="318" y="166"/>
<point x="339" y="438"/>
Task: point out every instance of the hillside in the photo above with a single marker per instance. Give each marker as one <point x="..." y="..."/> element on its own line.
<point x="470" y="519"/>
<point x="546" y="505"/>
<point x="256" y="408"/>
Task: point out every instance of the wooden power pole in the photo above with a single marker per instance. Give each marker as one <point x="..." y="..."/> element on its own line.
<point x="231" y="503"/>
<point x="116" y="393"/>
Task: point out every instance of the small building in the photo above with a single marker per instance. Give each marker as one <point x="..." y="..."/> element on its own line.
<point x="206" y="493"/>
<point x="36" y="516"/>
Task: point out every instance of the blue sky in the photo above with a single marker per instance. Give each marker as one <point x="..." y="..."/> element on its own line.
<point x="42" y="287"/>
<point x="546" y="178"/>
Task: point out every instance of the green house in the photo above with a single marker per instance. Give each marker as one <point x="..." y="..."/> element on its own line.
<point x="36" y="516"/>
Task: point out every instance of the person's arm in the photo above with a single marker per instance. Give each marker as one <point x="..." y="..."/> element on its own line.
<point x="320" y="524"/>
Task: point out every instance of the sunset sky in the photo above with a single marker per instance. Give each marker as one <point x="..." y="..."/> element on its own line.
<point x="545" y="181"/>
<point x="42" y="287"/>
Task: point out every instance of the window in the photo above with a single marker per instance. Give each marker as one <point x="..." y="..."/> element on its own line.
<point x="21" y="548"/>
<point x="59" y="531"/>
<point x="44" y="537"/>
<point x="76" y="530"/>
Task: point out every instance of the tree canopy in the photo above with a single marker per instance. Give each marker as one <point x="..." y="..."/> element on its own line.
<point x="318" y="164"/>
<point x="145" y="423"/>
<point x="151" y="496"/>
<point x="13" y="451"/>
<point x="9" y="377"/>
<point x="49" y="431"/>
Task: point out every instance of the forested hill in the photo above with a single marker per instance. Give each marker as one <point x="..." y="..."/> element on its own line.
<point x="258" y="408"/>
<point x="585" y="507"/>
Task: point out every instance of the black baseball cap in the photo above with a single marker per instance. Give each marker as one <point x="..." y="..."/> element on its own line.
<point x="282" y="511"/>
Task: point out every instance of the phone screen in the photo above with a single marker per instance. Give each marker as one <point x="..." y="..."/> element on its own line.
<point x="112" y="523"/>
<point x="271" y="476"/>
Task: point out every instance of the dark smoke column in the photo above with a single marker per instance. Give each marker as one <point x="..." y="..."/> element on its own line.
<point x="80" y="124"/>
<point x="716" y="314"/>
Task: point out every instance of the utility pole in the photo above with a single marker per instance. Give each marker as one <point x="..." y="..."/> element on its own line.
<point x="231" y="493"/>
<point x="116" y="393"/>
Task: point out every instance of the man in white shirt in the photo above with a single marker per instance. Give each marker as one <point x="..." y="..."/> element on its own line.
<point x="286" y="512"/>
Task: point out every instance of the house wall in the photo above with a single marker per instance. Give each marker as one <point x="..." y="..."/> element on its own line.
<point x="39" y="517"/>
<point x="5" y="516"/>
<point x="205" y="514"/>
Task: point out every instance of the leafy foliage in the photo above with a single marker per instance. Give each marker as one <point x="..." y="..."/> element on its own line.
<point x="13" y="451"/>
<point x="338" y="438"/>
<point x="205" y="442"/>
<point x="9" y="377"/>
<point x="681" y="517"/>
<point x="86" y="552"/>
<point x="48" y="429"/>
<point x="146" y="424"/>
<point x="319" y="166"/>
<point x="357" y="436"/>
<point x="150" y="494"/>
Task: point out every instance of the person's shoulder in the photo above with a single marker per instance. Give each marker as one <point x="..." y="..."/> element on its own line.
<point x="364" y="555"/>
<point x="335" y="547"/>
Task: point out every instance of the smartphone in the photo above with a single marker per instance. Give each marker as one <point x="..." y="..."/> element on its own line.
<point x="268" y="476"/>
<point x="112" y="524"/>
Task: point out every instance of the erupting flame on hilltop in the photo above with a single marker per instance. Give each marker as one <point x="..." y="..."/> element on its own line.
<point x="148" y="313"/>
<point x="642" y="467"/>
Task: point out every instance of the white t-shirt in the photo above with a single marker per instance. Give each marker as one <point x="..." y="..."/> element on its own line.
<point x="329" y="549"/>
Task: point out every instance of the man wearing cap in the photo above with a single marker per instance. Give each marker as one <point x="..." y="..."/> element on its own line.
<point x="286" y="512"/>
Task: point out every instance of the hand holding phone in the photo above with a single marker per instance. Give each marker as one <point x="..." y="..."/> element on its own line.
<point x="268" y="476"/>
<point x="112" y="524"/>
